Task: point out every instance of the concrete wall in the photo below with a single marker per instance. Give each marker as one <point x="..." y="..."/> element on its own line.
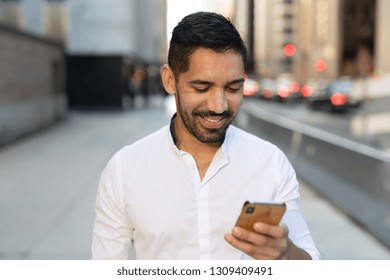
<point x="31" y="83"/>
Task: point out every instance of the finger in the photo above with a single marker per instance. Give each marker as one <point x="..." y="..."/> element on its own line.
<point x="250" y="236"/>
<point x="278" y="231"/>
<point x="255" y="251"/>
<point x="258" y="239"/>
<point x="241" y="245"/>
<point x="263" y="239"/>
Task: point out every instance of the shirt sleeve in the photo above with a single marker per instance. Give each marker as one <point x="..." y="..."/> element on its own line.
<point x="299" y="233"/>
<point x="111" y="238"/>
<point x="288" y="192"/>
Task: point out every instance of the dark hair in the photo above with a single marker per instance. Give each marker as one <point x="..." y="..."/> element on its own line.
<point x="202" y="30"/>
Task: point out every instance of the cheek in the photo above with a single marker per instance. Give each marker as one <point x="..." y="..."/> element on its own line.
<point x="188" y="102"/>
<point x="235" y="101"/>
<point x="191" y="102"/>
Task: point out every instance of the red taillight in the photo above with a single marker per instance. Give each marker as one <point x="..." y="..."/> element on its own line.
<point x="250" y="88"/>
<point x="338" y="99"/>
<point x="284" y="91"/>
<point x="295" y="87"/>
<point x="267" y="93"/>
<point x="307" y="91"/>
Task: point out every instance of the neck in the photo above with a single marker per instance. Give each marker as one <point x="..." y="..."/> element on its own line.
<point x="203" y="153"/>
<point x="185" y="141"/>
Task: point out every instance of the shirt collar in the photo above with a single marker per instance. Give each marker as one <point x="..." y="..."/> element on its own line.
<point x="172" y="130"/>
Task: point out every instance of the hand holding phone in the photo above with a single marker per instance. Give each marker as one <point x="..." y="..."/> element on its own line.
<point x="270" y="213"/>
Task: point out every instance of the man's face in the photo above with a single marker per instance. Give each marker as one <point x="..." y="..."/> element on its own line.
<point x="209" y="94"/>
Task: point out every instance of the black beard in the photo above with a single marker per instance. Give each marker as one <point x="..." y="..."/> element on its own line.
<point x="207" y="135"/>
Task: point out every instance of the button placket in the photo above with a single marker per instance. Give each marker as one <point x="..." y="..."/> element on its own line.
<point x="202" y="192"/>
<point x="204" y="222"/>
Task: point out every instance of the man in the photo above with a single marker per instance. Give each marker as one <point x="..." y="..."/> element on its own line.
<point x="177" y="193"/>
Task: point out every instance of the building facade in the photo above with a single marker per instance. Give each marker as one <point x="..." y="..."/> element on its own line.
<point x="332" y="38"/>
<point x="114" y="50"/>
<point x="32" y="94"/>
<point x="78" y="53"/>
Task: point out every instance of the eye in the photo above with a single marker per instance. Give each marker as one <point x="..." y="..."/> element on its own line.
<point x="202" y="90"/>
<point x="234" y="89"/>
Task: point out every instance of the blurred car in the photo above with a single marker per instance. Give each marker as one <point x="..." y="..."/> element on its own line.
<point x="336" y="96"/>
<point x="287" y="88"/>
<point x="250" y="87"/>
<point x="313" y="88"/>
<point x="267" y="89"/>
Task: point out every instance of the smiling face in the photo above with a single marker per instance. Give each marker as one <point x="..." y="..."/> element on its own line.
<point x="208" y="95"/>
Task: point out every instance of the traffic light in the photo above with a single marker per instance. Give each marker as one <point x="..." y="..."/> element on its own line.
<point x="289" y="49"/>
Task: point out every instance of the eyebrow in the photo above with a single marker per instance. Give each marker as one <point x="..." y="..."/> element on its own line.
<point x="238" y="81"/>
<point x="202" y="82"/>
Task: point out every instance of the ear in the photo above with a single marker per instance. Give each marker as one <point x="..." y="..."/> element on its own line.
<point x="168" y="79"/>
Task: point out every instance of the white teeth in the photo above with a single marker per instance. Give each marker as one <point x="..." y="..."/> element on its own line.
<point x="212" y="120"/>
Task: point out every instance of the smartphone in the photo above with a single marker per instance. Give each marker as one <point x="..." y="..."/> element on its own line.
<point x="252" y="212"/>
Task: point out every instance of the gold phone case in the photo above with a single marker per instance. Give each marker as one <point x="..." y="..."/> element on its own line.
<point x="270" y="213"/>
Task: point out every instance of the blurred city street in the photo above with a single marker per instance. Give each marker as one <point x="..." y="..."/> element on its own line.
<point x="81" y="79"/>
<point x="49" y="182"/>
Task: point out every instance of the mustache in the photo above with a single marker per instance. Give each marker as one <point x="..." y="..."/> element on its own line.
<point x="206" y="114"/>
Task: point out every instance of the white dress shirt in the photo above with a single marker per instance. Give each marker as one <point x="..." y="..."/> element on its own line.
<point x="151" y="198"/>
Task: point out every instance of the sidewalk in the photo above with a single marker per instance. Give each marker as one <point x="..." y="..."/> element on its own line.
<point x="337" y="237"/>
<point x="48" y="188"/>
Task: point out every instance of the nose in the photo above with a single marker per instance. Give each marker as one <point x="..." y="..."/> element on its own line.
<point x="217" y="102"/>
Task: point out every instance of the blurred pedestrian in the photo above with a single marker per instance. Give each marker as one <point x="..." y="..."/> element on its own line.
<point x="127" y="88"/>
<point x="177" y="193"/>
<point x="144" y="87"/>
